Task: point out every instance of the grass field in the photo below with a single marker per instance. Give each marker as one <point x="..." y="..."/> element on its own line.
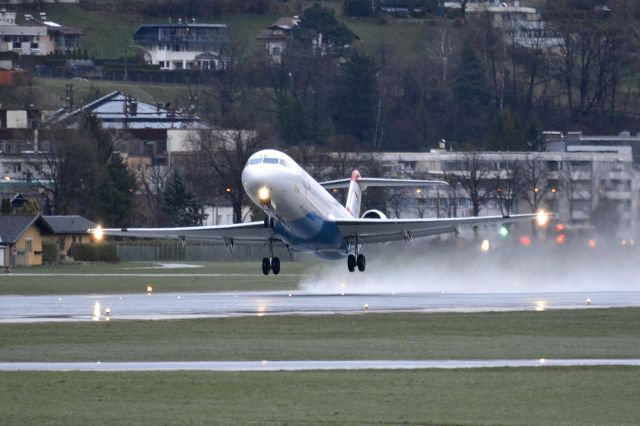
<point x="589" y="333"/>
<point x="245" y="276"/>
<point x="540" y="396"/>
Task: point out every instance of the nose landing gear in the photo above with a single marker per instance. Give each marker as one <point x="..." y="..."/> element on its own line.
<point x="270" y="263"/>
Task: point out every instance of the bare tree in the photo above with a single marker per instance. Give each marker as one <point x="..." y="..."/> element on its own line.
<point x="535" y="185"/>
<point x="227" y="152"/>
<point x="152" y="180"/>
<point x="509" y="182"/>
<point x="475" y="179"/>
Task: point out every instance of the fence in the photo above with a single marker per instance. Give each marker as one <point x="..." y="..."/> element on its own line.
<point x="154" y="251"/>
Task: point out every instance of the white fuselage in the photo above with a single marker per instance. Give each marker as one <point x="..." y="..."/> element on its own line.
<point x="304" y="212"/>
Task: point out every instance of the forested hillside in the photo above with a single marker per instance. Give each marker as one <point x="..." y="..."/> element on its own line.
<point x="405" y="83"/>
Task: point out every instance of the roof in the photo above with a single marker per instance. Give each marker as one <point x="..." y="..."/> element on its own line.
<point x="13" y="226"/>
<point x="110" y="110"/>
<point x="72" y="224"/>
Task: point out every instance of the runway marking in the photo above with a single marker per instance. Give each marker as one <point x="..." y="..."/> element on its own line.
<point x="310" y="365"/>
<point x="97" y="275"/>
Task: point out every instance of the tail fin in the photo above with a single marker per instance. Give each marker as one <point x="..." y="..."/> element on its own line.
<point x="354" y="195"/>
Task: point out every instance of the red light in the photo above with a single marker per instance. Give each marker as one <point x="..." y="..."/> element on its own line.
<point x="561" y="239"/>
<point x="592" y="243"/>
<point x="525" y="241"/>
<point x="559" y="227"/>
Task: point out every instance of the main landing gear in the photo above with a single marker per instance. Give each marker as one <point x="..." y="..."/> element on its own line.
<point x="271" y="264"/>
<point x="356" y="260"/>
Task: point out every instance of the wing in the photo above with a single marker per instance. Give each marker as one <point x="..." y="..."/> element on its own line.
<point x="383" y="230"/>
<point x="251" y="233"/>
<point x="381" y="182"/>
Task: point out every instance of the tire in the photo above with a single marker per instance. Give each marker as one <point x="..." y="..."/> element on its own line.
<point x="266" y="265"/>
<point x="351" y="263"/>
<point x="275" y="265"/>
<point x="361" y="262"/>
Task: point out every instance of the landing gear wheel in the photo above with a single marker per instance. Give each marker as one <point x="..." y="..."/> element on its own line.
<point x="351" y="263"/>
<point x="361" y="262"/>
<point x="266" y="266"/>
<point x="275" y="265"/>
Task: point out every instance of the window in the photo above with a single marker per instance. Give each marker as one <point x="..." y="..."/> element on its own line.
<point x="34" y="45"/>
<point x="268" y="160"/>
<point x="255" y="161"/>
<point x="27" y="245"/>
<point x="284" y="163"/>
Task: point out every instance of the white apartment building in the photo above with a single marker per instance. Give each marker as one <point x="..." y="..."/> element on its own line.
<point x="184" y="46"/>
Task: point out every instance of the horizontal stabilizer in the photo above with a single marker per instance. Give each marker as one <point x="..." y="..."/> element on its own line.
<point x="381" y="182"/>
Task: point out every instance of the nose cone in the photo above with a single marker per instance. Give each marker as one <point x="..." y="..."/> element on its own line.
<point x="261" y="180"/>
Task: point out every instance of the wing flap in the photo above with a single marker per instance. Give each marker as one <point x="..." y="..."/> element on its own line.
<point x="383" y="230"/>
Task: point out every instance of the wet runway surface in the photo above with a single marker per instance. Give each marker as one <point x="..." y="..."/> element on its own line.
<point x="202" y="305"/>
<point x="308" y="365"/>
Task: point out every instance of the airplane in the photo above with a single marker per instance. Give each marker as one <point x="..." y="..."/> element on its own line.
<point x="302" y="215"/>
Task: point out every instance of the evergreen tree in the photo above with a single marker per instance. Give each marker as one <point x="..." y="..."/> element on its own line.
<point x="358" y="8"/>
<point x="111" y="186"/>
<point x="180" y="204"/>
<point x="471" y="89"/>
<point x="319" y="25"/>
<point x="114" y="191"/>
<point x="504" y="134"/>
<point x="5" y="207"/>
<point x="356" y="99"/>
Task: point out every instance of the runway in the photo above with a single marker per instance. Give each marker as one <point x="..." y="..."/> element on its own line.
<point x="309" y="365"/>
<point x="15" y="309"/>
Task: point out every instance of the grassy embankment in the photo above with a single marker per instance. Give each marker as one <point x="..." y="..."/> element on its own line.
<point x="568" y="396"/>
<point x="91" y="278"/>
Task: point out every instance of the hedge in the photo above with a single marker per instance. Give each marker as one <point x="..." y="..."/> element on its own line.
<point x="49" y="252"/>
<point x="92" y="252"/>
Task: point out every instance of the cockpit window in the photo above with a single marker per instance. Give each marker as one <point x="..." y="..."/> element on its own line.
<point x="255" y="161"/>
<point x="284" y="163"/>
<point x="268" y="160"/>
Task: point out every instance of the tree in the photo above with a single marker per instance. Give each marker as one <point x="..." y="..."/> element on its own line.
<point x="319" y="28"/>
<point x="180" y="204"/>
<point x="356" y="99"/>
<point x="226" y="152"/>
<point x="5" y="207"/>
<point x="358" y="8"/>
<point x="504" y="134"/>
<point x="84" y="175"/>
<point x="470" y="85"/>
<point x="472" y="95"/>
<point x="508" y="184"/>
<point x="534" y="181"/>
<point x="474" y="176"/>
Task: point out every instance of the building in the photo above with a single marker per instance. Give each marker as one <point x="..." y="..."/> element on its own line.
<point x="521" y="25"/>
<point x="573" y="184"/>
<point x="184" y="46"/>
<point x="561" y="142"/>
<point x="36" y="36"/>
<point x="144" y="127"/>
<point x="276" y="37"/>
<point x="21" y="237"/>
<point x="67" y="230"/>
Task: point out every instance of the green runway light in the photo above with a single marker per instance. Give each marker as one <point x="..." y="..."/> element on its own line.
<point x="503" y="231"/>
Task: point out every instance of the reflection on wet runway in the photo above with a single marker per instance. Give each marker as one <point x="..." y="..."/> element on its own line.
<point x="307" y="365"/>
<point x="158" y="306"/>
